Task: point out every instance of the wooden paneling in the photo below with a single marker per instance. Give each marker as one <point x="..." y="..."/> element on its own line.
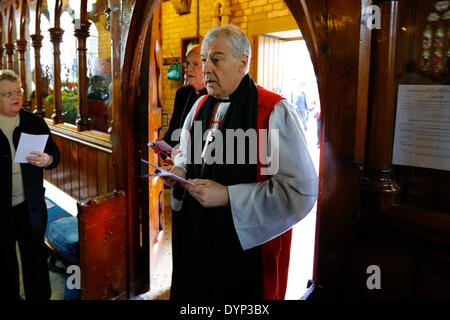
<point x="84" y="171"/>
<point x="409" y="240"/>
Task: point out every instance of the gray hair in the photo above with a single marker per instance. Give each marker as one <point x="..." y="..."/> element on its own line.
<point x="9" y="75"/>
<point x="239" y="42"/>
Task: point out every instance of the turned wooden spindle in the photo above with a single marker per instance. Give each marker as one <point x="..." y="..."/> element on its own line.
<point x="82" y="32"/>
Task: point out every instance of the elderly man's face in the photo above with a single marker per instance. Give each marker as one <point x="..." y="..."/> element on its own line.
<point x="193" y="69"/>
<point x="11" y="98"/>
<point x="222" y="72"/>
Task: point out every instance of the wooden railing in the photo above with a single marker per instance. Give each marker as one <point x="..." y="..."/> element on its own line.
<point x="14" y="42"/>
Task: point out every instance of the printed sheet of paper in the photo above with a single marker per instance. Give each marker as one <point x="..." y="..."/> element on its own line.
<point x="164" y="173"/>
<point x="422" y="127"/>
<point x="162" y="144"/>
<point x="29" y="143"/>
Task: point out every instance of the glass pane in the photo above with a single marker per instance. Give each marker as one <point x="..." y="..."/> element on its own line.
<point x="47" y="68"/>
<point x="99" y="66"/>
<point x="69" y="70"/>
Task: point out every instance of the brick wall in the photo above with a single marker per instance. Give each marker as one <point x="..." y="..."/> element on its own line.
<point x="175" y="27"/>
<point x="104" y="40"/>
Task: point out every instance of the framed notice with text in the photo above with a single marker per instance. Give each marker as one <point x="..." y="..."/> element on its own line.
<point x="422" y="127"/>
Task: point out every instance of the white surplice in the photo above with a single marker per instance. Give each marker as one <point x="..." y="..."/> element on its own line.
<point x="263" y="210"/>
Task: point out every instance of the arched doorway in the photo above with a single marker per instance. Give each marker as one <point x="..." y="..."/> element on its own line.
<point x="339" y="158"/>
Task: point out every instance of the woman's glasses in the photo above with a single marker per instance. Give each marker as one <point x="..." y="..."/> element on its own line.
<point x="12" y="93"/>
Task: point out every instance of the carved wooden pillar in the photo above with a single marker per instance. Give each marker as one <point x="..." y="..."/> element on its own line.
<point x="5" y="8"/>
<point x="378" y="189"/>
<point x="2" y="49"/>
<point x="10" y="45"/>
<point x="36" y="43"/>
<point x="56" y="34"/>
<point x="20" y="12"/>
<point x="82" y="32"/>
<point x="10" y="55"/>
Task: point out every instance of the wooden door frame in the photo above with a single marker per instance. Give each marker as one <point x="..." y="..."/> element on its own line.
<point x="343" y="81"/>
<point x="127" y="81"/>
<point x="343" y="137"/>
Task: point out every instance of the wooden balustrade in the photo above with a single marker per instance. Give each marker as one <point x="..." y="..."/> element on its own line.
<point x="86" y="168"/>
<point x="13" y="17"/>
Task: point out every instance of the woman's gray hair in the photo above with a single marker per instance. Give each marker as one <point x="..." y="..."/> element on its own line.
<point x="239" y="42"/>
<point x="9" y="75"/>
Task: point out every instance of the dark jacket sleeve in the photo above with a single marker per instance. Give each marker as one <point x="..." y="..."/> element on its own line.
<point x="50" y="148"/>
<point x="178" y="106"/>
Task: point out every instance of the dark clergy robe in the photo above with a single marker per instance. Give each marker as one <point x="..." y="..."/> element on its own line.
<point x="209" y="262"/>
<point x="185" y="98"/>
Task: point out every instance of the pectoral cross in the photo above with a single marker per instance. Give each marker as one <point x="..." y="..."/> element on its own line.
<point x="209" y="138"/>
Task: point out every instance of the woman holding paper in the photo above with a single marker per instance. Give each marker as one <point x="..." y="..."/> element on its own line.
<point x="23" y="209"/>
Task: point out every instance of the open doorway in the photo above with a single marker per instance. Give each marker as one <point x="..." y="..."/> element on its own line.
<point x="284" y="66"/>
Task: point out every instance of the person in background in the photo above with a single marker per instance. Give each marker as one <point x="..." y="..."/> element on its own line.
<point x="23" y="208"/>
<point x="185" y="97"/>
<point x="231" y="238"/>
<point x="302" y="105"/>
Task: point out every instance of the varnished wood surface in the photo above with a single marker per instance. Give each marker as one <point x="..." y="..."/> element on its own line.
<point x="155" y="186"/>
<point x="128" y="139"/>
<point x="102" y="225"/>
<point x="85" y="170"/>
<point x="340" y="50"/>
<point x="326" y="26"/>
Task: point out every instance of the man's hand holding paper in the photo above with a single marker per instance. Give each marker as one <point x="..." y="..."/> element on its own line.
<point x="170" y="177"/>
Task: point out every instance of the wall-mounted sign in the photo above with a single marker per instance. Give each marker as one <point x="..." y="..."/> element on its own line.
<point x="422" y="127"/>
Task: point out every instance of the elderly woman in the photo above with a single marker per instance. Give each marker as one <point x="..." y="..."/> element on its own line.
<point x="23" y="209"/>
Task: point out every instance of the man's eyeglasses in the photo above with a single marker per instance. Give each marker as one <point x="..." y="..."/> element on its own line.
<point x="193" y="65"/>
<point x="12" y="93"/>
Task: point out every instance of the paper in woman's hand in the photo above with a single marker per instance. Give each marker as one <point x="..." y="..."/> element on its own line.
<point x="29" y="143"/>
<point x="164" y="173"/>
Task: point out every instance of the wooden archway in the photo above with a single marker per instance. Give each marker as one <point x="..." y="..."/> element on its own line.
<point x="340" y="162"/>
<point x="355" y="68"/>
<point x="140" y="84"/>
<point x="343" y="131"/>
